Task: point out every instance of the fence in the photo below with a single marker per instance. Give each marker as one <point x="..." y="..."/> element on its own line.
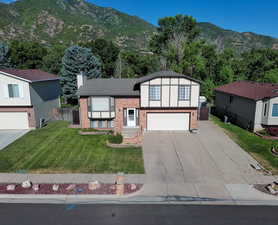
<point x="67" y="114"/>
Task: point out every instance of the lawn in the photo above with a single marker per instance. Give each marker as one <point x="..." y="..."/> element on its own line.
<point x="59" y="149"/>
<point x="259" y="148"/>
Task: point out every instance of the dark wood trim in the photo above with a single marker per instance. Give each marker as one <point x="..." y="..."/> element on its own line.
<point x="170" y="89"/>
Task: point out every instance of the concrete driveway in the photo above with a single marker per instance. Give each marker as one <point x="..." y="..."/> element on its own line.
<point x="205" y="165"/>
<point x="9" y="136"/>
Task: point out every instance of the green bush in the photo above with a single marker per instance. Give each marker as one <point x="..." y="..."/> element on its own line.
<point x="115" y="139"/>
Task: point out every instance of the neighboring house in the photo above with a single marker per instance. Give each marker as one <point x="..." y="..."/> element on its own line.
<point x="251" y="105"/>
<point x="163" y="101"/>
<point x="27" y="97"/>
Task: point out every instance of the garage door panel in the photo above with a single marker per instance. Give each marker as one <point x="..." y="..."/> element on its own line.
<point x="168" y="121"/>
<point x="14" y="120"/>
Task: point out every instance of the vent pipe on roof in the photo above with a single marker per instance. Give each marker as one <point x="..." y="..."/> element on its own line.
<point x="81" y="79"/>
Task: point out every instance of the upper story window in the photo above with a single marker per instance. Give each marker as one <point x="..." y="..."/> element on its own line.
<point x="184" y="92"/>
<point x="13" y="90"/>
<point x="275" y="110"/>
<point x="155" y="91"/>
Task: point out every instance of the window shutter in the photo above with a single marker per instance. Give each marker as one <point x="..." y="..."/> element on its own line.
<point x="125" y="117"/>
<point x="137" y="117"/>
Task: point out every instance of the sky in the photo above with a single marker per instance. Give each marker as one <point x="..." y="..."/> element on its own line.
<point x="258" y="16"/>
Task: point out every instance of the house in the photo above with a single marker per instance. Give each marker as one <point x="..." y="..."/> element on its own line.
<point x="162" y="101"/>
<point x="27" y="97"/>
<point x="251" y="105"/>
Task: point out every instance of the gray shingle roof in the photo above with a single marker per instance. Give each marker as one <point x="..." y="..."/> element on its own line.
<point x="108" y="87"/>
<point x="123" y="87"/>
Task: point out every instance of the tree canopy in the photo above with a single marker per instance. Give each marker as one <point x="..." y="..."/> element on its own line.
<point x="5" y="60"/>
<point x="75" y="61"/>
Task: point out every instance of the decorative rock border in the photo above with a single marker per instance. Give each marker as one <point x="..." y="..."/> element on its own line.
<point x="71" y="189"/>
<point x="266" y="188"/>
<point x="123" y="145"/>
<point x="266" y="137"/>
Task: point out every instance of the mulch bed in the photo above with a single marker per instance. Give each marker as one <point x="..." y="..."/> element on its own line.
<point x="262" y="188"/>
<point x="80" y="189"/>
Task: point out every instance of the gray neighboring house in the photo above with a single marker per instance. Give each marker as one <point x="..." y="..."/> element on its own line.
<point x="251" y="105"/>
<point x="27" y="97"/>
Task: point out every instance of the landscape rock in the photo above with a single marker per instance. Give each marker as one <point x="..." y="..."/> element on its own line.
<point x="55" y="187"/>
<point x="133" y="187"/>
<point x="36" y="187"/>
<point x="26" y="184"/>
<point x="71" y="187"/>
<point x="11" y="187"/>
<point x="94" y="185"/>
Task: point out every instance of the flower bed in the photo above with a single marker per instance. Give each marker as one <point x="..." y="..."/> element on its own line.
<point x="79" y="189"/>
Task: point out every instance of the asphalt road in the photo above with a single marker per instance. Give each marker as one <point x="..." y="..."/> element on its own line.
<point x="26" y="214"/>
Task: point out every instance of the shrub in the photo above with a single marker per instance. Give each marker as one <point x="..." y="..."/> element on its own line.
<point x="273" y="131"/>
<point x="115" y="139"/>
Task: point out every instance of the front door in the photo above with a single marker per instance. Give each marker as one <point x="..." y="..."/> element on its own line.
<point x="131" y="117"/>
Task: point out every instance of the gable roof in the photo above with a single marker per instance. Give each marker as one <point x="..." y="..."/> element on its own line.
<point x="165" y="74"/>
<point x="108" y="87"/>
<point x="249" y="89"/>
<point x="30" y="76"/>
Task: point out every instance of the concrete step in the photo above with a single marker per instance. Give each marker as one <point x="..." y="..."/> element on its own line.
<point x="130" y="132"/>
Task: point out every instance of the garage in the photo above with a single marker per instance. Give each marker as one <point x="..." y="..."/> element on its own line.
<point x="14" y="120"/>
<point x="168" y="121"/>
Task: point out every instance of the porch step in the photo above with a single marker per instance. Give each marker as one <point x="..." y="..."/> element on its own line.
<point x="130" y="132"/>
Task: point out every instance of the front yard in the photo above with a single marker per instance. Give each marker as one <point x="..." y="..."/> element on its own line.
<point x="259" y="148"/>
<point x="59" y="149"/>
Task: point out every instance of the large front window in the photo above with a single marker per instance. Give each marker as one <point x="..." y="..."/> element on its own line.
<point x="275" y="110"/>
<point x="155" y="91"/>
<point x="13" y="90"/>
<point x="100" y="104"/>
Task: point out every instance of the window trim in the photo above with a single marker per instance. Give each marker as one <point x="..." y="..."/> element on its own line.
<point x="189" y="92"/>
<point x="18" y="87"/>
<point x="158" y="86"/>
<point x="275" y="113"/>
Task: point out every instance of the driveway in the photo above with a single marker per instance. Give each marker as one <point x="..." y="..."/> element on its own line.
<point x="9" y="136"/>
<point x="204" y="165"/>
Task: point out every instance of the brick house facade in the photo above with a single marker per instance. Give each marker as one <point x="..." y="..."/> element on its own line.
<point x="133" y="115"/>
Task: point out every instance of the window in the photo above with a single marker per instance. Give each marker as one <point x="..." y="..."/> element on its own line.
<point x="155" y="93"/>
<point x="231" y="99"/>
<point x="275" y="110"/>
<point x="100" y="104"/>
<point x="184" y="93"/>
<point x="94" y="123"/>
<point x="111" y="124"/>
<point x="102" y="124"/>
<point x="265" y="109"/>
<point x="13" y="90"/>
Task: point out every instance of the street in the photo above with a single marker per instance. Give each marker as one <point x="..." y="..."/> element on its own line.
<point x="31" y="214"/>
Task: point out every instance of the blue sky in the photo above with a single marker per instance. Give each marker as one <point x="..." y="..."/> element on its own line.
<point x="259" y="16"/>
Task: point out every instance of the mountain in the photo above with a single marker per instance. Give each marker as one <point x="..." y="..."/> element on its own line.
<point x="71" y="21"/>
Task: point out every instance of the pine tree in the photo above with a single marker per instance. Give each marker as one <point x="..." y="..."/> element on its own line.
<point x="75" y="61"/>
<point x="5" y="60"/>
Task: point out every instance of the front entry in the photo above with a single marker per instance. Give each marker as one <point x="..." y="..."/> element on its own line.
<point x="131" y="117"/>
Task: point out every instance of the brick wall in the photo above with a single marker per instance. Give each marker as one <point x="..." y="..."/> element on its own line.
<point x="29" y="110"/>
<point x="120" y="104"/>
<point x="84" y="120"/>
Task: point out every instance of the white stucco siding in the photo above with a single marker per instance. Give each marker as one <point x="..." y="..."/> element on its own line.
<point x="272" y="120"/>
<point x="5" y="100"/>
<point x="170" y="93"/>
<point x="195" y="92"/>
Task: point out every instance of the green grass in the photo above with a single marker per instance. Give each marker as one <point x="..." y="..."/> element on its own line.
<point x="59" y="149"/>
<point x="259" y="148"/>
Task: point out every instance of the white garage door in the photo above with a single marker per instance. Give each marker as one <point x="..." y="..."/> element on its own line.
<point x="168" y="121"/>
<point x="14" y="120"/>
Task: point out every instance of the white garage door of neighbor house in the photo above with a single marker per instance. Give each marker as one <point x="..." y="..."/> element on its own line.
<point x="168" y="121"/>
<point x="14" y="120"/>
